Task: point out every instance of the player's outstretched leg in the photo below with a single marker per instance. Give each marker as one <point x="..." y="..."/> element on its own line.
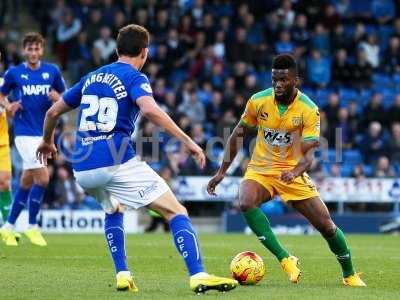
<point x="115" y="236"/>
<point x="318" y="215"/>
<point x="7" y="230"/>
<point x="41" y="180"/>
<point x="251" y="195"/>
<point x="187" y="244"/>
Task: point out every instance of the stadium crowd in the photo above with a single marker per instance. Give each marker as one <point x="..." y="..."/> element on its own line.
<point x="208" y="57"/>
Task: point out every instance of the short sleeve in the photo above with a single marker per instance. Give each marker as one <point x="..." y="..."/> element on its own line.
<point x="311" y="125"/>
<point x="140" y="87"/>
<point x="72" y="97"/>
<point x="249" y="116"/>
<point x="59" y="83"/>
<point x="8" y="83"/>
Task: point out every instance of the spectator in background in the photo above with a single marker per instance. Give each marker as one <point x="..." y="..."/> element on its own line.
<point x="68" y="194"/>
<point x="331" y="17"/>
<point x="374" y="111"/>
<point x="300" y="34"/>
<point x="374" y="143"/>
<point x="214" y="109"/>
<point x="339" y="40"/>
<point x="93" y="26"/>
<point x="362" y="71"/>
<point x="225" y="125"/>
<point x="391" y="57"/>
<point x="394" y="143"/>
<point x="105" y="44"/>
<point x="183" y="164"/>
<point x="316" y="171"/>
<point x="358" y="172"/>
<point x="320" y="40"/>
<point x="67" y="33"/>
<point x="371" y="49"/>
<point x="109" y="10"/>
<point x="383" y="11"/>
<point x="198" y="135"/>
<point x="341" y="69"/>
<point x="358" y="36"/>
<point x="393" y="113"/>
<point x="80" y="62"/>
<point x="219" y="45"/>
<point x="345" y="127"/>
<point x="193" y="108"/>
<point x="331" y="111"/>
<point x="11" y="56"/>
<point x="318" y="70"/>
<point x="383" y="168"/>
<point x="119" y="22"/>
<point x="238" y="105"/>
<point x="354" y="118"/>
<point x="239" y="49"/>
<point x="335" y="171"/>
<point x="286" y="14"/>
<point x="284" y="44"/>
<point x="250" y="88"/>
<point x="396" y="28"/>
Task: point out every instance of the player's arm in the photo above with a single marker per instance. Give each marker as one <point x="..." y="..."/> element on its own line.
<point x="248" y="123"/>
<point x="47" y="149"/>
<point x="6" y="87"/>
<point x="70" y="100"/>
<point x="58" y="87"/>
<point x="304" y="164"/>
<point x="309" y="143"/>
<point x="150" y="109"/>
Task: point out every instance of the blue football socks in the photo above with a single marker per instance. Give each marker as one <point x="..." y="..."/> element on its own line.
<point x="115" y="236"/>
<point x="35" y="200"/>
<point x="20" y="200"/>
<point x="187" y="244"/>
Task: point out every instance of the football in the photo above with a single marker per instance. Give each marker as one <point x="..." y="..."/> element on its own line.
<point x="247" y="268"/>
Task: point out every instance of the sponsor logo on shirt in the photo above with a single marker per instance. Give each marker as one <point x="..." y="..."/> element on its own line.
<point x="277" y="138"/>
<point x="264" y="116"/>
<point x="36" y="89"/>
<point x="146" y="87"/>
<point x="24" y="76"/>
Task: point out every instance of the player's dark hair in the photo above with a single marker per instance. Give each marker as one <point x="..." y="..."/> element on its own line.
<point x="284" y="61"/>
<point x="132" y="39"/>
<point x="32" y="38"/>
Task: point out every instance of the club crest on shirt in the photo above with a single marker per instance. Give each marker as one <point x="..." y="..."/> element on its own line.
<point x="296" y="121"/>
<point x="45" y="75"/>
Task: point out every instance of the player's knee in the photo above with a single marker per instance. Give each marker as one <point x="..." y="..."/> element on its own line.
<point x="246" y="205"/>
<point x="180" y="210"/>
<point x="171" y="213"/>
<point x="4" y="185"/>
<point x="327" y="228"/>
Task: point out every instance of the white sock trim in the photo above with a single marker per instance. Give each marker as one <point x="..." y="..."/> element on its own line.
<point x="124" y="273"/>
<point x="200" y="275"/>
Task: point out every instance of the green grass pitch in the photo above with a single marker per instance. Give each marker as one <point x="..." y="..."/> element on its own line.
<point x="79" y="267"/>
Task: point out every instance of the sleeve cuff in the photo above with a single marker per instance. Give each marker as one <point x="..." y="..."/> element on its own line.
<point x="242" y="122"/>
<point x="310" y="138"/>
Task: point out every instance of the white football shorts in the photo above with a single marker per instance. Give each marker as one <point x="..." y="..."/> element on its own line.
<point x="133" y="184"/>
<point x="27" y="146"/>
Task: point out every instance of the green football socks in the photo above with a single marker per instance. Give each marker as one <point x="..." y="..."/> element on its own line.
<point x="5" y="204"/>
<point x="259" y="223"/>
<point x="337" y="244"/>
